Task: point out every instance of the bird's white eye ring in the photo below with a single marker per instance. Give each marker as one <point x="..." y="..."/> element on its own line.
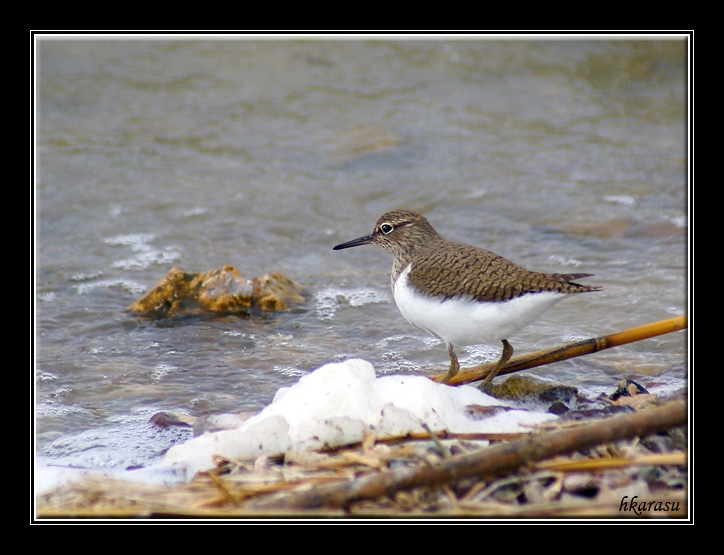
<point x="386" y="228"/>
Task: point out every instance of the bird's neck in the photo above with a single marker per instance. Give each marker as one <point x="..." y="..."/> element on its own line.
<point x="405" y="254"/>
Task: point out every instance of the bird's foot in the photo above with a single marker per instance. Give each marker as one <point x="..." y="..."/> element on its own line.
<point x="454" y="365"/>
<point x="504" y="358"/>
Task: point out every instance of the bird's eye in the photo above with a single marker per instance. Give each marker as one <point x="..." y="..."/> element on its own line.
<point x="386" y="228"/>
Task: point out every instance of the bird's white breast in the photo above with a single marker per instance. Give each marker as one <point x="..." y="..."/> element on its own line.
<point x="468" y="322"/>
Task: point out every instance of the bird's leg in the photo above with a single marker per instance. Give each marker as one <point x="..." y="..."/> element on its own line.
<point x="504" y="358"/>
<point x="454" y="364"/>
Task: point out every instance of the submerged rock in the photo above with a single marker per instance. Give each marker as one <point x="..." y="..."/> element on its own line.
<point x="527" y="389"/>
<point x="223" y="291"/>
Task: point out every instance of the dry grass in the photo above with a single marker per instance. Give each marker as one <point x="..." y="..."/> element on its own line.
<point x="564" y="471"/>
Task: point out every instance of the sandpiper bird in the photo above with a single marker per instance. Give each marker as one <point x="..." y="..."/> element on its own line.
<point x="459" y="293"/>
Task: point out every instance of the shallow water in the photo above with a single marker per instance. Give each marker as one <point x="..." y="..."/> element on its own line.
<point x="561" y="155"/>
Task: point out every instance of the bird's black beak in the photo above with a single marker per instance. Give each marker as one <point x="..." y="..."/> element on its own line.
<point x="366" y="240"/>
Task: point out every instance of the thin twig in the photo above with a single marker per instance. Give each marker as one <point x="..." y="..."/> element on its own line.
<point x="570" y="350"/>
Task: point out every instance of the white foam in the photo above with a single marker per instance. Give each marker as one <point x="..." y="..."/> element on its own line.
<point x="337" y="405"/>
<point x="329" y="299"/>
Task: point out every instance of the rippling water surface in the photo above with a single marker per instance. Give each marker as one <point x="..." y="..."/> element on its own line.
<point x="562" y="155"/>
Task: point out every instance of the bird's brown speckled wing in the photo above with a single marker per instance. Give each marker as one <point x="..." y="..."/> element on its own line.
<point x="484" y="276"/>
